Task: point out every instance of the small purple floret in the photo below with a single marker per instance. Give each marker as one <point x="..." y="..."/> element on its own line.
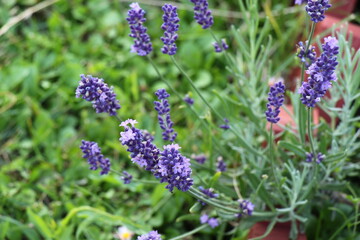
<point x="92" y="152"/>
<point x="204" y="219"/>
<point x="199" y="158"/>
<point x="209" y="192"/>
<point x="142" y="42"/>
<point x="222" y="47"/>
<point x="163" y="108"/>
<point x="188" y="100"/>
<point x="307" y="58"/>
<point x="153" y="235"/>
<point x="276" y="100"/>
<point x="221" y="166"/>
<point x="202" y="14"/>
<point x="213" y="222"/>
<point x="247" y="208"/>
<point x="310" y="157"/>
<point x="316" y="9"/>
<point x="127" y="177"/>
<point x="225" y="126"/>
<point x="96" y="91"/>
<point x="170" y="26"/>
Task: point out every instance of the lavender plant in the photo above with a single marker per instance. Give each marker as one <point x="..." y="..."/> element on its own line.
<point x="300" y="170"/>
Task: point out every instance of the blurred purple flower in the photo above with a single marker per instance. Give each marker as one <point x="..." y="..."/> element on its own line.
<point x="225" y="126"/>
<point x="127" y="177"/>
<point x="222" y="47"/>
<point x="92" y="152"/>
<point x="276" y="100"/>
<point x="202" y="14"/>
<point x="307" y="58"/>
<point x="220" y="166"/>
<point x="153" y="235"/>
<point x="170" y="26"/>
<point x="310" y="157"/>
<point x="316" y="9"/>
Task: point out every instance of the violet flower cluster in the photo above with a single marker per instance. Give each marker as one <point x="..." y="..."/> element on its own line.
<point x="127" y="177"/>
<point x="142" y="42"/>
<point x="247" y="208"/>
<point x="153" y="235"/>
<point x="310" y="55"/>
<point x="316" y="9"/>
<point x="202" y="14"/>
<point x="209" y="192"/>
<point x="213" y="222"/>
<point x="170" y="26"/>
<point x="95" y="90"/>
<point x="174" y="169"/>
<point x="321" y="74"/>
<point x="276" y="100"/>
<point x="92" y="152"/>
<point x="168" y="166"/>
<point x="219" y="48"/>
<point x="319" y="158"/>
<point x="163" y="108"/>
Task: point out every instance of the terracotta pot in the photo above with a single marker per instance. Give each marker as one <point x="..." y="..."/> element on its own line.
<point x="281" y="231"/>
<point x="342" y="8"/>
<point x="285" y="119"/>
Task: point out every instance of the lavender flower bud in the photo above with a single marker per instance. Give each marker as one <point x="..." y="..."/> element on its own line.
<point x="94" y="90"/>
<point x="222" y="47"/>
<point x="143" y="153"/>
<point x="142" y="42"/>
<point x="299" y="2"/>
<point x="188" y="100"/>
<point x="174" y="169"/>
<point x="153" y="235"/>
<point x="209" y="192"/>
<point x="247" y="208"/>
<point x="204" y="218"/>
<point x="276" y="99"/>
<point x="310" y="157"/>
<point x="127" y="177"/>
<point x="170" y="26"/>
<point x="310" y="55"/>
<point x="199" y="158"/>
<point x="220" y="166"/>
<point x="163" y="109"/>
<point x="321" y="74"/>
<point x="92" y="152"/>
<point x="202" y="14"/>
<point x="316" y="9"/>
<point x="225" y="126"/>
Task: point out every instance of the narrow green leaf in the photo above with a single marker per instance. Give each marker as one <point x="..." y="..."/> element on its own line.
<point x="293" y="148"/>
<point x="39" y="224"/>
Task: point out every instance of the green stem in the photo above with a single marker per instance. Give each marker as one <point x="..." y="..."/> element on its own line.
<point x="311" y="140"/>
<point x="301" y="108"/>
<point x="242" y="141"/>
<point x="134" y="179"/>
<point x="190" y="233"/>
<point x="200" y="196"/>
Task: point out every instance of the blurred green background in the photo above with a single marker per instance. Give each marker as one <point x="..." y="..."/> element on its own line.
<point x="46" y="189"/>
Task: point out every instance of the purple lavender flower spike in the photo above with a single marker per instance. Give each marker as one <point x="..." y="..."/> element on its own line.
<point x="310" y="157"/>
<point x="153" y="235"/>
<point x="147" y="136"/>
<point x="127" y="177"/>
<point x="321" y="74"/>
<point x="163" y="108"/>
<point x="199" y="158"/>
<point x="209" y="192"/>
<point x="188" y="100"/>
<point x="92" y="152"/>
<point x="316" y="9"/>
<point x="95" y="90"/>
<point x="143" y="153"/>
<point x="222" y="47"/>
<point x="174" y="169"/>
<point x="170" y="26"/>
<point x="142" y="42"/>
<point x="276" y="99"/>
<point x="299" y="2"/>
<point x="213" y="222"/>
<point x="204" y="219"/>
<point x="247" y="208"/>
<point x="220" y="166"/>
<point x="225" y="126"/>
<point x="202" y="14"/>
<point x="310" y="56"/>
